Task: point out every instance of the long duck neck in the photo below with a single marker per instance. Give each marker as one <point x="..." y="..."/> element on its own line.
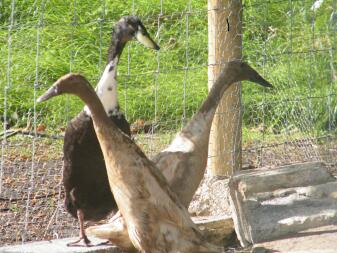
<point x="106" y="88"/>
<point x="96" y="108"/>
<point x="227" y="77"/>
<point x="198" y="128"/>
<point x="117" y="44"/>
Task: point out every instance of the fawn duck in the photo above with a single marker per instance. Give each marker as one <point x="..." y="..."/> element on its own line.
<point x="156" y="220"/>
<point x="183" y="163"/>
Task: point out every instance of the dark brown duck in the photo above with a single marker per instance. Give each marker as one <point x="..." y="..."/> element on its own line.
<point x="87" y="192"/>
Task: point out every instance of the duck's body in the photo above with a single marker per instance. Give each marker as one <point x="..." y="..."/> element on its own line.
<point x="183" y="163"/>
<point x="87" y="192"/>
<point x="90" y="194"/>
<point x="156" y="221"/>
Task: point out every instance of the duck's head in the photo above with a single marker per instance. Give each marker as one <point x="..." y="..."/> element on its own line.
<point x="247" y="73"/>
<point x="130" y="27"/>
<point x="69" y="83"/>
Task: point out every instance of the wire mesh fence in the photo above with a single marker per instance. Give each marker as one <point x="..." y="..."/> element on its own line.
<point x="299" y="57"/>
<point x="292" y="43"/>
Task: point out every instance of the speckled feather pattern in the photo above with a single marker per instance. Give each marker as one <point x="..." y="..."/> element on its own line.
<point x="84" y="174"/>
<point x="88" y="195"/>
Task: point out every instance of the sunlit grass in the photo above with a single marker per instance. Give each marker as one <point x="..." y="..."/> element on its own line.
<point x="157" y="86"/>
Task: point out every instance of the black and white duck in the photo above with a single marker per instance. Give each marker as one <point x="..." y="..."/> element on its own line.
<point x="87" y="192"/>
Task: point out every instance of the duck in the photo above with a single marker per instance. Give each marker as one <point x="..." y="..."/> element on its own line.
<point x="88" y="195"/>
<point x="156" y="220"/>
<point x="184" y="161"/>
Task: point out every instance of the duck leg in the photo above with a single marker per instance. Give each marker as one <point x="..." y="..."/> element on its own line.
<point x="83" y="236"/>
<point x="115" y="231"/>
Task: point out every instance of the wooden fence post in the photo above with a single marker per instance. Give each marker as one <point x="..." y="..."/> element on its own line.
<point x="225" y="44"/>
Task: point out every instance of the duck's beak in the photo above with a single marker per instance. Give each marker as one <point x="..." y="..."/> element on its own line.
<point x="51" y="92"/>
<point x="143" y="37"/>
<point x="265" y="83"/>
<point x="260" y="80"/>
<point x="253" y="76"/>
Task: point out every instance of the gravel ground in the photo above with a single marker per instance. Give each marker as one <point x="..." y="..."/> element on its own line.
<point x="31" y="196"/>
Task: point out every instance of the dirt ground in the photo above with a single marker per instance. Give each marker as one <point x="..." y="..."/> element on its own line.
<point x="31" y="193"/>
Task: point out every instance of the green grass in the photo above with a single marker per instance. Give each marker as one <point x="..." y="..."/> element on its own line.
<point x="286" y="41"/>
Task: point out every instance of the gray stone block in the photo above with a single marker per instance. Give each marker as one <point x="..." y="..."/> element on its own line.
<point x="274" y="203"/>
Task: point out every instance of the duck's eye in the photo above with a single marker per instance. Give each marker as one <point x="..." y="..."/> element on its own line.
<point x="131" y="30"/>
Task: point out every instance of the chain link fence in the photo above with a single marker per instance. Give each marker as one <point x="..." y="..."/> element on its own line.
<point x="292" y="43"/>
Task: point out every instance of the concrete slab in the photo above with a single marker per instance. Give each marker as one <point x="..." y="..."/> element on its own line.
<point x="318" y="240"/>
<point x="59" y="246"/>
<point x="269" y="204"/>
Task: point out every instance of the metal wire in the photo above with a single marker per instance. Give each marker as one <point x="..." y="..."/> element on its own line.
<point x="101" y="22"/>
<point x="156" y="77"/>
<point x="164" y="91"/>
<point x="184" y="116"/>
<point x="6" y="88"/>
<point x="332" y="58"/>
<point x="32" y="168"/>
<point x="128" y="71"/>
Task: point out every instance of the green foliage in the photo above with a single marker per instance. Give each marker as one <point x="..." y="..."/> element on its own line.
<point x="294" y="48"/>
<point x="290" y="44"/>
